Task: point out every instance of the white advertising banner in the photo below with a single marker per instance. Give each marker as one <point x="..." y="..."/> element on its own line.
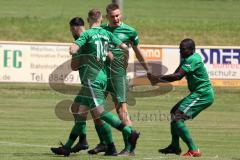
<point x="222" y="63"/>
<point x="35" y="62"/>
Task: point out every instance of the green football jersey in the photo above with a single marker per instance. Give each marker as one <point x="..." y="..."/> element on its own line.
<point x="94" y="46"/>
<point x="196" y="73"/>
<point x="127" y="35"/>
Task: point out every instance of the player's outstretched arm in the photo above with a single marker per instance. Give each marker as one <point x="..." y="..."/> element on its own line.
<point x="75" y="63"/>
<point x="73" y="49"/>
<point x="177" y="75"/>
<point x="153" y="79"/>
<point x="124" y="47"/>
<point x="140" y="58"/>
<point x="110" y="55"/>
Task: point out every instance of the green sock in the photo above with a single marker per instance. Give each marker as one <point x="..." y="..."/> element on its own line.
<point x="78" y="129"/>
<point x="184" y="133"/>
<point x="127" y="146"/>
<point x="115" y="122"/>
<point x="106" y="133"/>
<point x="82" y="134"/>
<point x="111" y="119"/>
<point x="125" y="135"/>
<point x="83" y="128"/>
<point x="83" y="139"/>
<point x="175" y="136"/>
<point x="100" y="136"/>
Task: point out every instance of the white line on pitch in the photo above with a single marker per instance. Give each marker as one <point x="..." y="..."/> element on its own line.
<point x="22" y="144"/>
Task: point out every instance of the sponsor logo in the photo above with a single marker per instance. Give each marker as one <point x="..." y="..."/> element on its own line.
<point x="152" y="54"/>
<point x="221" y="56"/>
<point x="12" y="58"/>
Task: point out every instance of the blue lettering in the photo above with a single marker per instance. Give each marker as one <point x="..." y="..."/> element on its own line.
<point x="205" y="60"/>
<point x="225" y="58"/>
<point x="212" y="51"/>
<point x="221" y="56"/>
<point x="237" y="56"/>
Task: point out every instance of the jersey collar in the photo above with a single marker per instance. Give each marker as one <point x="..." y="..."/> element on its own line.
<point x="117" y="26"/>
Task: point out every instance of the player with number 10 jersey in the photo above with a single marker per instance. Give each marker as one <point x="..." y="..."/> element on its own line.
<point x="92" y="67"/>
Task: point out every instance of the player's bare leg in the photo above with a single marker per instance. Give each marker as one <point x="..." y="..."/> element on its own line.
<point x="122" y="111"/>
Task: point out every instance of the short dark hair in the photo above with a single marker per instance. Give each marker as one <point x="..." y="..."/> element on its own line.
<point x="188" y="43"/>
<point x="112" y="7"/>
<point x="76" y="21"/>
<point x="94" y="14"/>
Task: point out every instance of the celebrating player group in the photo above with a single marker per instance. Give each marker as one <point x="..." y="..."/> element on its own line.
<point x="100" y="54"/>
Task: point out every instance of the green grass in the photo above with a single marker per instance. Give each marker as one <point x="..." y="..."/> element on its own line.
<point x="209" y="22"/>
<point x="28" y="125"/>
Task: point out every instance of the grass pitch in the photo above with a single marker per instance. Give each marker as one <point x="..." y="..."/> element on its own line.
<point x="208" y="22"/>
<point x="29" y="126"/>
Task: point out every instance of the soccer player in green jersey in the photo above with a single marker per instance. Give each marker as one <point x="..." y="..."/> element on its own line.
<point x="76" y="28"/>
<point x="201" y="96"/>
<point x="117" y="76"/>
<point x="93" y="45"/>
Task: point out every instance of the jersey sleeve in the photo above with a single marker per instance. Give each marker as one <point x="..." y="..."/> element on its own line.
<point x="135" y="38"/>
<point x="82" y="39"/>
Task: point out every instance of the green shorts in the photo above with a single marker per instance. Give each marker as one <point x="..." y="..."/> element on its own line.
<point x="195" y="102"/>
<point x="92" y="95"/>
<point x="117" y="86"/>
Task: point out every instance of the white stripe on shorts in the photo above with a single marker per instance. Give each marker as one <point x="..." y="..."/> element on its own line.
<point x="190" y="105"/>
<point x="92" y="93"/>
<point x="124" y="89"/>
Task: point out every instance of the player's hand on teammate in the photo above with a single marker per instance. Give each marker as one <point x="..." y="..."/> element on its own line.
<point x="73" y="49"/>
<point x="153" y="79"/>
<point x="110" y="55"/>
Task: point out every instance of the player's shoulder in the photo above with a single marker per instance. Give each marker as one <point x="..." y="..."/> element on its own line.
<point x="105" y="31"/>
<point x="194" y="58"/>
<point x="104" y="25"/>
<point x="86" y="32"/>
<point x="84" y="35"/>
<point x="93" y="31"/>
<point x="126" y="26"/>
